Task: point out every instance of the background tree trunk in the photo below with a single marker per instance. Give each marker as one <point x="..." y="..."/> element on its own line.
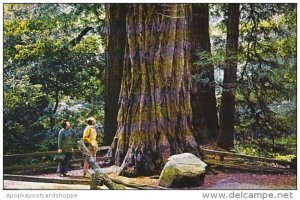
<point x="154" y="119"/>
<point x="203" y="98"/>
<point x="116" y="41"/>
<point x="227" y="112"/>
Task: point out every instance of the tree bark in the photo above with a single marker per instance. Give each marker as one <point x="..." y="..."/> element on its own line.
<point x="227" y="112"/>
<point x="115" y="58"/>
<point x="203" y="98"/>
<point x="154" y="119"/>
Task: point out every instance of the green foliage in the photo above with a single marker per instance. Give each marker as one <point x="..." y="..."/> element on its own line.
<point x="41" y="68"/>
<point x="216" y="58"/>
<point x="45" y="54"/>
<point x="24" y="104"/>
<point x="266" y="92"/>
<point x="284" y="148"/>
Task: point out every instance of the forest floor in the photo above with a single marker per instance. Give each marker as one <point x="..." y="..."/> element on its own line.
<point x="219" y="180"/>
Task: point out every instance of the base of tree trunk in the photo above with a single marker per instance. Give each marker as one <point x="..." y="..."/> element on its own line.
<point x="139" y="161"/>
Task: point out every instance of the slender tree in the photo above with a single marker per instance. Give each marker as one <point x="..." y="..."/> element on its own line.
<point x="116" y="40"/>
<point x="227" y="112"/>
<point x="203" y="98"/>
<point x="154" y="119"/>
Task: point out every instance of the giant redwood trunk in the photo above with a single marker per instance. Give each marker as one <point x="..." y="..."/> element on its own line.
<point x="154" y="119"/>
<point x="116" y="40"/>
<point x="203" y="98"/>
<point x="227" y="112"/>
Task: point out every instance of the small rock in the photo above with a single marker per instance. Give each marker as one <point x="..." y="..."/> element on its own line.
<point x="183" y="170"/>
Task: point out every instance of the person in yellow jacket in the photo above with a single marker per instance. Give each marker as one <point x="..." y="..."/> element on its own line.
<point x="89" y="138"/>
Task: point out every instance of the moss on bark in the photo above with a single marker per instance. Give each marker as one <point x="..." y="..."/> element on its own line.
<point x="154" y="119"/>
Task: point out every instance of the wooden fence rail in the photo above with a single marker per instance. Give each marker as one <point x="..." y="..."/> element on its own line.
<point x="220" y="154"/>
<point x="43" y="165"/>
<point x="47" y="153"/>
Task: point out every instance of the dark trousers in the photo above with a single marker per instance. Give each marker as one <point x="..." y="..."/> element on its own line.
<point x="63" y="167"/>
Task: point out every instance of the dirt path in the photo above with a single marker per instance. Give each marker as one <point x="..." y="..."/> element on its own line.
<point x="218" y="181"/>
<point x="250" y="181"/>
<point x="11" y="185"/>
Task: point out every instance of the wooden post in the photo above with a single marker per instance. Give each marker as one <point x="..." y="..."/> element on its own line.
<point x="222" y="157"/>
<point x="98" y="175"/>
<point x="294" y="163"/>
<point x="112" y="151"/>
<point x="115" y="143"/>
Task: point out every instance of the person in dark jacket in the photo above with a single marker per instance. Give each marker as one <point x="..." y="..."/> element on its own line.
<point x="65" y="146"/>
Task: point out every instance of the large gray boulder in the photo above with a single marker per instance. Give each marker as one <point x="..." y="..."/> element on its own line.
<point x="183" y="170"/>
